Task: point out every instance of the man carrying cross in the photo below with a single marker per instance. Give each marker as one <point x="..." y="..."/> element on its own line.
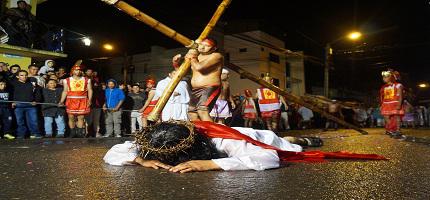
<point x="206" y="65"/>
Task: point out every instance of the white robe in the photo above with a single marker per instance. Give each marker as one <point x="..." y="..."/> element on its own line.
<point x="177" y="106"/>
<point x="241" y="155"/>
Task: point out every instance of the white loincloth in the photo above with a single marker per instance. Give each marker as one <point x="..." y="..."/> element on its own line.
<point x="221" y="109"/>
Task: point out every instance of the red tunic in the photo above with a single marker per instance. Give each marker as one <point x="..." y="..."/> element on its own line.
<point x="249" y="111"/>
<point x="150" y="107"/>
<point x="269" y="103"/>
<point x="77" y="96"/>
<point x="390" y="99"/>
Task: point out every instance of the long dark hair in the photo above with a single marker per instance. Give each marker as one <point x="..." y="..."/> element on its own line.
<point x="169" y="135"/>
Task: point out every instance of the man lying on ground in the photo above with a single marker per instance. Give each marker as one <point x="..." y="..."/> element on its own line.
<point x="182" y="146"/>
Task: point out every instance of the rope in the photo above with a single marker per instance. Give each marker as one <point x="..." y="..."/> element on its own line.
<point x="37" y="103"/>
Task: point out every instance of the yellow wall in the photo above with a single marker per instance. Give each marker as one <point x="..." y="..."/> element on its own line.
<point x="24" y="62"/>
<point x="33" y="3"/>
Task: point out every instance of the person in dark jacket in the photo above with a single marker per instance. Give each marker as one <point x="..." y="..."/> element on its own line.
<point x="26" y="113"/>
<point x="93" y="118"/>
<point x="51" y="113"/>
<point x="5" y="111"/>
<point x="114" y="99"/>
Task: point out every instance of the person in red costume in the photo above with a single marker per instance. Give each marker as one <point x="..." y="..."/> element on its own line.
<point x="182" y="146"/>
<point x="391" y="98"/>
<point x="77" y="94"/>
<point x="151" y="101"/>
<point x="249" y="109"/>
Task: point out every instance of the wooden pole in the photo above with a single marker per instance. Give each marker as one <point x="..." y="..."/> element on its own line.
<point x="185" y="66"/>
<point x="291" y="97"/>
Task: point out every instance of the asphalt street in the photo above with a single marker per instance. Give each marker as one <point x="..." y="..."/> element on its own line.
<point x="74" y="169"/>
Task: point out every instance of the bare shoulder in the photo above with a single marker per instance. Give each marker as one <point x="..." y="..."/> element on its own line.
<point x="217" y="55"/>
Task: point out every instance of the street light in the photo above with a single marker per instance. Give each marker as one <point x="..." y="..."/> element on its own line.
<point x="108" y="47"/>
<point x="423" y="85"/>
<point x="86" y="41"/>
<point x="354" y="35"/>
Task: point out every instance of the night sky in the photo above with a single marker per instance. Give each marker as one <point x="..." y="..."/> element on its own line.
<point x="396" y="33"/>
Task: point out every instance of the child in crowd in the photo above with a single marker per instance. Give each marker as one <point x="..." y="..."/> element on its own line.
<point x="249" y="109"/>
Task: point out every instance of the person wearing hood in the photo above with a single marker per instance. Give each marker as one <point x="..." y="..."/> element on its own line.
<point x="48" y="67"/>
<point x="112" y="107"/>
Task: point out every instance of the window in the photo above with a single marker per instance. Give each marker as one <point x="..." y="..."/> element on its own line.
<point x="227" y="58"/>
<point x="287" y="69"/>
<point x="274" y="58"/>
<point x="242" y="50"/>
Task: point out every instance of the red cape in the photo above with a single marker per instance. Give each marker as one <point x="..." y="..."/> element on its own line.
<point x="213" y="130"/>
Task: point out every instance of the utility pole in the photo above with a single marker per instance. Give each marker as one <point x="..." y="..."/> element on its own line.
<point x="328" y="53"/>
<point x="125" y="67"/>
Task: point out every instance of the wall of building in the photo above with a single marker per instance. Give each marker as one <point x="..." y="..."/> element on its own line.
<point x="24" y="62"/>
<point x="296" y="79"/>
<point x="254" y="58"/>
<point x="155" y="64"/>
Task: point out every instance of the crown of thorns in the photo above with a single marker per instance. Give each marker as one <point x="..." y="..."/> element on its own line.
<point x="145" y="145"/>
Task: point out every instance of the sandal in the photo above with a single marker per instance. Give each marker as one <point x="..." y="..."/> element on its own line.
<point x="313" y="141"/>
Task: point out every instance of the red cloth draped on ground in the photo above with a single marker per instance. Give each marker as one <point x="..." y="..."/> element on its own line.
<point x="213" y="130"/>
<point x="77" y="96"/>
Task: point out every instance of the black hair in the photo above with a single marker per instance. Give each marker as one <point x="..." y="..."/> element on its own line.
<point x="21" y="1"/>
<point x="51" y="80"/>
<point x="33" y="65"/>
<point x="3" y="81"/>
<point x="167" y="135"/>
<point x="135" y="84"/>
<point x="21" y="70"/>
<point x="15" y="66"/>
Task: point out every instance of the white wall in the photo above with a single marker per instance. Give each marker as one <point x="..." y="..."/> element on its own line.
<point x="297" y="74"/>
<point x="254" y="60"/>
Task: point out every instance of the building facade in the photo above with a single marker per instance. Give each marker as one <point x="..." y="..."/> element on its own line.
<point x="254" y="51"/>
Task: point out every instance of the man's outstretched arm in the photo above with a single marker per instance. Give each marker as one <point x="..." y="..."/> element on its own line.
<point x="195" y="166"/>
<point x="155" y="164"/>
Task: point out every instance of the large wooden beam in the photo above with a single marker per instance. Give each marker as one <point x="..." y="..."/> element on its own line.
<point x="185" y="66"/>
<point x="291" y="97"/>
